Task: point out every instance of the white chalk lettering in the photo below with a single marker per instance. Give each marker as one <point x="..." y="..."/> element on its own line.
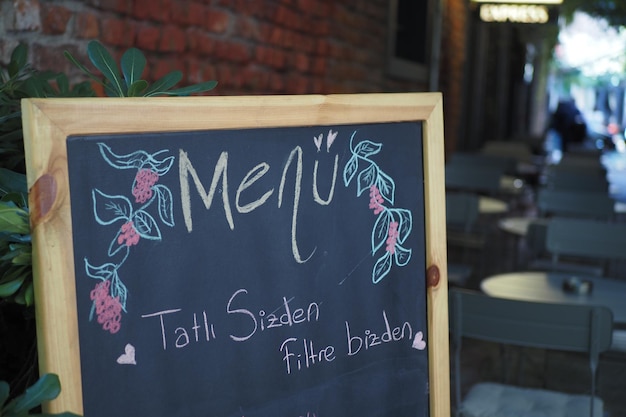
<point x="205" y="329"/>
<point x="370" y="339"/>
<point x="185" y="169"/>
<point x="306" y="357"/>
<point x="285" y="315"/>
<point x="257" y="172"/>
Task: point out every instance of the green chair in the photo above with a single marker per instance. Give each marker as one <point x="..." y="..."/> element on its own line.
<point x="462" y="234"/>
<point x="562" y="327"/>
<point x="583" y="204"/>
<point x="585" y="243"/>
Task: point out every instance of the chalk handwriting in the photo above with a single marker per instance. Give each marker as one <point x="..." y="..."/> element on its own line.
<point x="292" y="171"/>
<point x="370" y="339"/>
<point x="285" y="315"/>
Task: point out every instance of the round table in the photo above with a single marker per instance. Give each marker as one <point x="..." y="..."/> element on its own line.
<point x="490" y="205"/>
<point x="548" y="287"/>
<point x="519" y="225"/>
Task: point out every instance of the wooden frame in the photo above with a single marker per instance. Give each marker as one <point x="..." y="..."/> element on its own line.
<point x="48" y="123"/>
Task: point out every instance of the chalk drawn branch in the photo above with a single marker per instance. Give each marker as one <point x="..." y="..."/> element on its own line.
<point x="110" y="294"/>
<point x="393" y="225"/>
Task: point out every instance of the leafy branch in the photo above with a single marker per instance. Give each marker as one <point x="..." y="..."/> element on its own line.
<point x="126" y="80"/>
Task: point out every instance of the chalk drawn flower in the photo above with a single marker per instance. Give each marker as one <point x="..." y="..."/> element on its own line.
<point x="392" y="225"/>
<point x="144" y="181"/>
<point x="110" y="294"/>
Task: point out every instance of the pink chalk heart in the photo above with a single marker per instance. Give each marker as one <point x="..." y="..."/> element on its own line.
<point x="418" y="341"/>
<point x="128" y="357"/>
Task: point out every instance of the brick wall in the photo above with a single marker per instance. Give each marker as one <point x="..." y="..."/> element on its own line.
<point x="248" y="46"/>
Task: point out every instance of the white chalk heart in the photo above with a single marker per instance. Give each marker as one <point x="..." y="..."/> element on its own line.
<point x="330" y="139"/>
<point x="128" y="357"/>
<point x="318" y="141"/>
<point x="418" y="341"/>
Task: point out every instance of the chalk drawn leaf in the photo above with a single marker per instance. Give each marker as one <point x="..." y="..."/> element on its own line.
<point x="116" y="244"/>
<point x="108" y="209"/>
<point x="386" y="186"/>
<point x="118" y="289"/>
<point x="350" y="170"/>
<point x="166" y="204"/>
<point x="380" y="231"/>
<point x="132" y="160"/>
<point x="366" y="178"/>
<point x="146" y="226"/>
<point x="402" y="255"/>
<point x="367" y="148"/>
<point x="405" y="223"/>
<point x="160" y="166"/>
<point x="382" y="268"/>
<point x="102" y="272"/>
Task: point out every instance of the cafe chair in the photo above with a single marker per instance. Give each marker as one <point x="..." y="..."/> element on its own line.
<point x="483" y="179"/>
<point x="560" y="327"/>
<point x="463" y="235"/>
<point x="585" y="245"/>
<point x="587" y="204"/>
<point x="575" y="180"/>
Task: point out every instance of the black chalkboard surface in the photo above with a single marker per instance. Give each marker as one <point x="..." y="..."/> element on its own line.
<point x="251" y="272"/>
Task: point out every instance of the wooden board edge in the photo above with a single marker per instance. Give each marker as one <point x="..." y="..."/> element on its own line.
<point x="55" y="300"/>
<point x="436" y="263"/>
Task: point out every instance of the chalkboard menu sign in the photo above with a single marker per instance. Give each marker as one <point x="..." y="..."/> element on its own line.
<point x="260" y="268"/>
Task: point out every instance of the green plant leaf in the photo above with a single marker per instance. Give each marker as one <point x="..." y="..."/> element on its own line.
<point x="164" y="83"/>
<point x="29" y="294"/>
<point x="133" y="63"/>
<point x="46" y="388"/>
<point x="196" y="88"/>
<point x="8" y="289"/>
<point x="137" y="88"/>
<point x="81" y="67"/>
<point x="12" y="181"/>
<point x="102" y="59"/>
<point x="4" y="392"/>
<point x="13" y="219"/>
<point x="19" y="58"/>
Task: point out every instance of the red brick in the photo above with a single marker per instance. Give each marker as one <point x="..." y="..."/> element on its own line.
<point x="52" y="58"/>
<point x="199" y="42"/>
<point x="87" y="26"/>
<point x="197" y="13"/>
<point x="162" y="67"/>
<point x="232" y="51"/>
<point x="314" y="7"/>
<point x="142" y="8"/>
<point x="180" y="12"/>
<point x="54" y="19"/>
<point x="118" y="6"/>
<point x="113" y="31"/>
<point x="301" y="62"/>
<point x="217" y="21"/>
<point x="148" y="37"/>
<point x="272" y="57"/>
<point x="172" y="39"/>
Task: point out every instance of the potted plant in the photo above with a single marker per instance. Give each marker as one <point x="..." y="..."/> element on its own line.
<point x="18" y="360"/>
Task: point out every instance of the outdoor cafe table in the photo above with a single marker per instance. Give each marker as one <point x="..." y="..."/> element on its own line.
<point x="548" y="287"/>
